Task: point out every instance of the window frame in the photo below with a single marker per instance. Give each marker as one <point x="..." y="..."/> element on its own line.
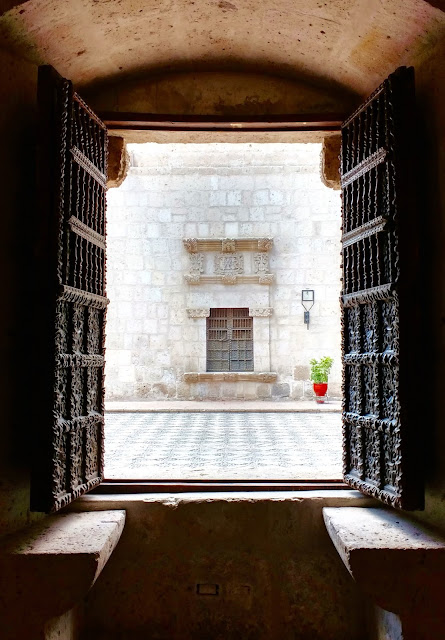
<point x="228" y="327"/>
<point x="121" y="122"/>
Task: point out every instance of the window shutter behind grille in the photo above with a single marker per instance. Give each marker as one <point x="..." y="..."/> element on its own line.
<point x="69" y="403"/>
<point x="381" y="447"/>
<point x="229" y="340"/>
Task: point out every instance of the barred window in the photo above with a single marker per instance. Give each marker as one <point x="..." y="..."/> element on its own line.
<point x="229" y="340"/>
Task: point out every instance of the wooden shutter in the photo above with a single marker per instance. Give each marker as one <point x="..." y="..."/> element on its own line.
<point x="382" y="453"/>
<point x="70" y="297"/>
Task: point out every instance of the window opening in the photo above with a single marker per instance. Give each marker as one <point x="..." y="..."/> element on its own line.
<point x="229" y="340"/>
<point x="208" y="249"/>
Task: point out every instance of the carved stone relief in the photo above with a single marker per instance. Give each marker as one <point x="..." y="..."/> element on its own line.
<point x="228" y="246"/>
<point x="192" y="278"/>
<point x="266" y="278"/>
<point x="196" y="263"/>
<point x="261" y="263"/>
<point x="200" y="312"/>
<point x="260" y="312"/>
<point x="265" y="244"/>
<point x="229" y="265"/>
<point x="191" y="244"/>
<point x="229" y="279"/>
<point x="228" y="262"/>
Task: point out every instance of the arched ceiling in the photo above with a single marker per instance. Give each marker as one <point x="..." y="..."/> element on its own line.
<point x="344" y="46"/>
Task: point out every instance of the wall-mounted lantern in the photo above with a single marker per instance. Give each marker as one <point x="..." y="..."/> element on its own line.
<point x="307" y="300"/>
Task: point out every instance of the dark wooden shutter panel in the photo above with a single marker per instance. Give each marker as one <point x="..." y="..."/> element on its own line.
<point x="382" y="453"/>
<point x="70" y="296"/>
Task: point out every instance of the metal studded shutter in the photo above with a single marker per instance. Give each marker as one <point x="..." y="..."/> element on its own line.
<point x="71" y="301"/>
<point x="382" y="454"/>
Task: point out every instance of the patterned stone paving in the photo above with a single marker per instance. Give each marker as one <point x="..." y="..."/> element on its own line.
<point x="223" y="446"/>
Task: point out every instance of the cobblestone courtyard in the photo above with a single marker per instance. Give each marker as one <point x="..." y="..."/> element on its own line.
<point x="223" y="445"/>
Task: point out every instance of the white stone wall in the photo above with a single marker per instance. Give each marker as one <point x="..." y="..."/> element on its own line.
<point x="174" y="191"/>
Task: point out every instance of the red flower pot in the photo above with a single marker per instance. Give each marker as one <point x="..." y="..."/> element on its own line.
<point x="320" y="389"/>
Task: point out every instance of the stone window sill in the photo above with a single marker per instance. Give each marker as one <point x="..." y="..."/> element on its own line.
<point x="232" y="279"/>
<point x="230" y="376"/>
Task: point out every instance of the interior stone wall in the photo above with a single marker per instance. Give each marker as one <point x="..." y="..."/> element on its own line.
<point x="267" y="557"/>
<point x="18" y="93"/>
<point x="178" y="191"/>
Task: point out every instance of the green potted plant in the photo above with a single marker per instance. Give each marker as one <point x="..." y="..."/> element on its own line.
<point x="319" y="375"/>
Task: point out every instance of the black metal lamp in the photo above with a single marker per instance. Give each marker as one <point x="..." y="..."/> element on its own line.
<point x="307" y="300"/>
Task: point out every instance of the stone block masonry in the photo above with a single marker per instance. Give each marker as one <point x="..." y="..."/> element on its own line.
<point x="234" y="191"/>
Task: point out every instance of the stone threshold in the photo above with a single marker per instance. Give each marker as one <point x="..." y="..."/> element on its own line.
<point x="335" y="497"/>
<point x="244" y="376"/>
<point x="278" y="405"/>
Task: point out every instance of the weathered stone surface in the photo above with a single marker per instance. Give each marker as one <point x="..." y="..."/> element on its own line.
<point x="399" y="564"/>
<point x="301" y="372"/>
<point x="263" y="391"/>
<point x="118" y="161"/>
<point x="326" y="50"/>
<point x="330" y="162"/>
<point x="49" y="568"/>
<point x="232" y="376"/>
<point x="281" y="390"/>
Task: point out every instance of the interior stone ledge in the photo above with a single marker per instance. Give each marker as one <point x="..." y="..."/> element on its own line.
<point x="64" y="554"/>
<point x="231" y="376"/>
<point x="398" y="563"/>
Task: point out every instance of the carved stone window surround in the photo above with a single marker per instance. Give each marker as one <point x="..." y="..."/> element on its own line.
<point x="261" y="334"/>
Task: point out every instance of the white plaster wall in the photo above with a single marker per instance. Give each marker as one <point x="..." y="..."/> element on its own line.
<point x="219" y="190"/>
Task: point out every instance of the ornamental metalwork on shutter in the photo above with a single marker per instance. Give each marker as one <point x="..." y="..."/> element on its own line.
<point x="229" y="340"/>
<point x="69" y="405"/>
<point x="381" y="446"/>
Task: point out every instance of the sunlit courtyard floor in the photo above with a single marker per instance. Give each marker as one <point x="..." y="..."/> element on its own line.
<point x="223" y="445"/>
